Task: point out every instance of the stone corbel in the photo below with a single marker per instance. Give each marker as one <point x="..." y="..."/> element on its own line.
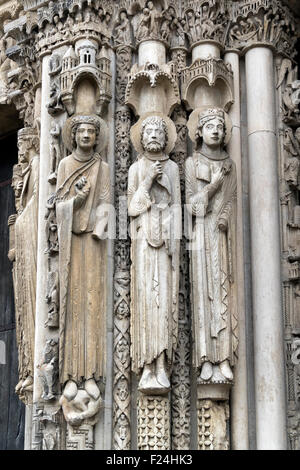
<point x="207" y="82"/>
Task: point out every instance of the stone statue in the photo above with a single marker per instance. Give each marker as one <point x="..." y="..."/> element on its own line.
<point x="211" y="199"/>
<point x="25" y="256"/>
<point x="154" y="208"/>
<point x="143" y="30"/>
<point x="122" y="33"/>
<point x="83" y="195"/>
<point x="48" y="370"/>
<point x="55" y="152"/>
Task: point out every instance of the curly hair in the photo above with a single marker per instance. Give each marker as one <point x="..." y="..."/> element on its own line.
<point x="77" y="120"/>
<point x="155" y="120"/>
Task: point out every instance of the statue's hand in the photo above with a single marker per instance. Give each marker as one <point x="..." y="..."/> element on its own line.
<point x="19" y="188"/>
<point x="155" y="170"/>
<point x="82" y="188"/>
<point x="217" y="177"/>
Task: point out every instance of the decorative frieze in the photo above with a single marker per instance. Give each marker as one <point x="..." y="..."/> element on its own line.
<point x="122" y="383"/>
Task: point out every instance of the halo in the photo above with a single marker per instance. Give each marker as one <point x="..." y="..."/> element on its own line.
<point x="135" y="132"/>
<point x="67" y="131"/>
<point x="192" y="124"/>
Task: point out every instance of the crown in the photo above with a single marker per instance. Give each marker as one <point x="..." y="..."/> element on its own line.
<point x="27" y="132"/>
<point x="210" y="113"/>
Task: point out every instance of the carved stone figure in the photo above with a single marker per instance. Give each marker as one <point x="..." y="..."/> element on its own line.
<point x="122" y="33"/>
<point x="55" y="105"/>
<point x="55" y="152"/>
<point x="83" y="193"/>
<point x="81" y="404"/>
<point x="211" y="199"/>
<point x="143" y="30"/>
<point x="155" y="19"/>
<point x="48" y="370"/>
<point x="24" y="270"/>
<point x="51" y="225"/>
<point x="154" y="208"/>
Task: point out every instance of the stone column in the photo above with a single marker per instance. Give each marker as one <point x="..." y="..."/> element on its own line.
<point x="206" y="50"/>
<point x="265" y="246"/>
<point x="239" y="404"/>
<point x="152" y="51"/>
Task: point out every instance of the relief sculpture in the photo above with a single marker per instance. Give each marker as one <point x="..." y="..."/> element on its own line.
<point x="83" y="193"/>
<point x="154" y="208"/>
<point x="25" y="185"/>
<point x="211" y="199"/>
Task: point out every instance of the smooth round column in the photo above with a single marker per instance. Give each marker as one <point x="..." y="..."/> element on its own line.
<point x="153" y="52"/>
<point x="205" y="50"/>
<point x="265" y="251"/>
<point x="239" y="401"/>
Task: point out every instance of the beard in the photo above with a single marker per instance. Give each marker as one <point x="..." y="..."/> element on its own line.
<point x="154" y="147"/>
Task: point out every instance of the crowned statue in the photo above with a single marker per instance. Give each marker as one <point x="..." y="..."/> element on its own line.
<point x="82" y="198"/>
<point x="211" y="188"/>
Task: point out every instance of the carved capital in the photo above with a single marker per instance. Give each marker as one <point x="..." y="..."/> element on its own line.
<point x="262" y="22"/>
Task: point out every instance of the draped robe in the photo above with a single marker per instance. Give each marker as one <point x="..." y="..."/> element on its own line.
<point x="82" y="269"/>
<point x="24" y="270"/>
<point x="213" y="259"/>
<point x="155" y="237"/>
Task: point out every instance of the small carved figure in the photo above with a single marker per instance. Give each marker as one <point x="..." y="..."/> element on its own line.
<point x="122" y="30"/>
<point x="211" y="199"/>
<point x="52" y="299"/>
<point x="81" y="404"/>
<point x="51" y="226"/>
<point x="143" y="30"/>
<point x="55" y="153"/>
<point x="55" y="105"/>
<point x="48" y="370"/>
<point x="155" y="19"/>
<point x="154" y="208"/>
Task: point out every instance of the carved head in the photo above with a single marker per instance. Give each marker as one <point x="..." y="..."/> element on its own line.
<point x="154" y="134"/>
<point x="297" y="134"/>
<point x="150" y="5"/>
<point x="211" y="127"/>
<point x="85" y="132"/>
<point x="28" y="144"/>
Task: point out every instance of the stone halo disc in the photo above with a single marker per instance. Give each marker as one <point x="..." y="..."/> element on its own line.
<point x="67" y="131"/>
<point x="135" y="132"/>
<point x="193" y="123"/>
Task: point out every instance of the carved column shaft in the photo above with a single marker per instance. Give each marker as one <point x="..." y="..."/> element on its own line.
<point x="122" y="385"/>
<point x="180" y="398"/>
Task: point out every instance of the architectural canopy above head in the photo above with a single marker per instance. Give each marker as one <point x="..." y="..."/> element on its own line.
<point x="152" y="88"/>
<point x="208" y="81"/>
<point x="136" y="130"/>
<point x="77" y="119"/>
